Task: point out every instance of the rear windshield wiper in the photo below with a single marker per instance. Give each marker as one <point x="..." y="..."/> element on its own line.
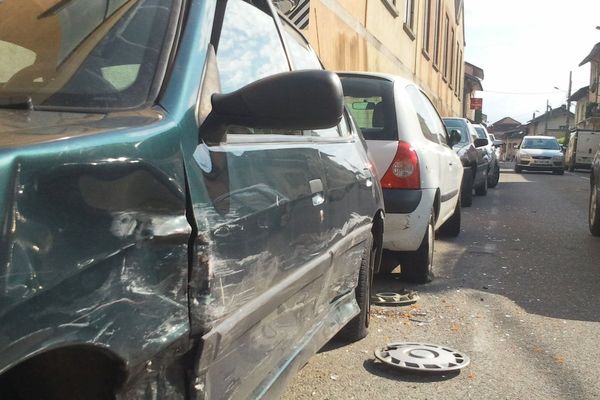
<point x="16" y="102"/>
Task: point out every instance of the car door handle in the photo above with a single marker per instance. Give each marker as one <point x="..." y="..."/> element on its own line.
<point x="316" y="188"/>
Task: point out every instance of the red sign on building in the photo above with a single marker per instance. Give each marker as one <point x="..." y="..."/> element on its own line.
<point x="476" y="103"/>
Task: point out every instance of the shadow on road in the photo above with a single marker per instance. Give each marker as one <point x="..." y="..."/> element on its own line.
<point x="382" y="370"/>
<point x="528" y="241"/>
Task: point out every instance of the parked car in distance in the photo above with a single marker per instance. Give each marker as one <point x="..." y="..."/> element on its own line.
<point x="493" y="175"/>
<point x="472" y="153"/>
<point x="174" y="225"/>
<point x="540" y="153"/>
<point x="581" y="149"/>
<point x="420" y="173"/>
<point x="594" y="209"/>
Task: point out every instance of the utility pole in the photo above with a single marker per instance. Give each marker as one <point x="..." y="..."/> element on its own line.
<point x="567" y="134"/>
<point x="546" y="118"/>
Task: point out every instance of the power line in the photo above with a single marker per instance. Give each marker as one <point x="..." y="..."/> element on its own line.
<point x="521" y="93"/>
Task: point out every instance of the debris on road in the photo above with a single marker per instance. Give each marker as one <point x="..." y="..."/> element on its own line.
<point x="395" y="299"/>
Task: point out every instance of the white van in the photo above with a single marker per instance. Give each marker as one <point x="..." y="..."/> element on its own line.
<point x="581" y="149"/>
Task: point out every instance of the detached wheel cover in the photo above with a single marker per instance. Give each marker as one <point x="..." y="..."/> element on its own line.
<point x="424" y="357"/>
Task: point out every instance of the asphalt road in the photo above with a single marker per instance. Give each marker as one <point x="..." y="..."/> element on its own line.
<point x="518" y="291"/>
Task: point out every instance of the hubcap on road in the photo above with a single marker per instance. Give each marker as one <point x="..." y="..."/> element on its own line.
<point x="422" y="357"/>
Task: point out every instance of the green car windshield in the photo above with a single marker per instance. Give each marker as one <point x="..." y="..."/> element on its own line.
<point x="100" y="54"/>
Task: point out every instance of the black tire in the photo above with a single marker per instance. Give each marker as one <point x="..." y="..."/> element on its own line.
<point x="389" y="261"/>
<point x="492" y="183"/>
<point x="417" y="266"/>
<point x="466" y="192"/>
<point x="358" y="327"/>
<point x="451" y="227"/>
<point x="594" y="210"/>
<point x="482" y="189"/>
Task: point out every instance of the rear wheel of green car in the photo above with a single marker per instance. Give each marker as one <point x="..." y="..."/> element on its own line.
<point x="358" y="327"/>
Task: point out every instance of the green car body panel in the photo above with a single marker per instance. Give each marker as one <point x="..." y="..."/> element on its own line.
<point x="198" y="271"/>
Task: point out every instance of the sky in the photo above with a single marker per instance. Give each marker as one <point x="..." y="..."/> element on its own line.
<point x="526" y="48"/>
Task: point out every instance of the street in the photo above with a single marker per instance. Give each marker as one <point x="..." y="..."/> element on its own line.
<point x="518" y="291"/>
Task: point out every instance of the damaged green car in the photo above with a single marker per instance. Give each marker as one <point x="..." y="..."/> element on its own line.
<point x="186" y="209"/>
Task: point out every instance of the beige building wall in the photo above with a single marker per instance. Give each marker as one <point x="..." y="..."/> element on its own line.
<point x="580" y="109"/>
<point x="371" y="35"/>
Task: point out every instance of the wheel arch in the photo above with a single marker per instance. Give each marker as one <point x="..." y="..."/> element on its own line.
<point x="377" y="231"/>
<point x="64" y="372"/>
<point x="437" y="203"/>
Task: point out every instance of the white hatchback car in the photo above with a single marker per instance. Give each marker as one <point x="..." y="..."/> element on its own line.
<point x="420" y="173"/>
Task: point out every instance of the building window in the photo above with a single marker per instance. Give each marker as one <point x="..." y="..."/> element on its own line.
<point x="451" y="77"/>
<point x="409" y="18"/>
<point x="391" y="7"/>
<point x="458" y="63"/>
<point x="436" y="42"/>
<point x="446" y="45"/>
<point x="427" y="26"/>
<point x="409" y="14"/>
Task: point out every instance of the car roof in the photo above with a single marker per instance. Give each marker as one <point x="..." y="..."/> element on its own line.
<point x="538" y="137"/>
<point x="457" y="118"/>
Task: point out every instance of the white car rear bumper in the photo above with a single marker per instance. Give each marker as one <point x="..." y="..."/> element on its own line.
<point x="404" y="232"/>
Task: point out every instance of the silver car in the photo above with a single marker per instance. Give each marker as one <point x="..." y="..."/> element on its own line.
<point x="493" y="175"/>
<point x="540" y="153"/>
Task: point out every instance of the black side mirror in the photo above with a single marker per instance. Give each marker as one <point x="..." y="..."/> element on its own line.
<point x="454" y="137"/>
<point x="298" y="100"/>
<point x="481" y="142"/>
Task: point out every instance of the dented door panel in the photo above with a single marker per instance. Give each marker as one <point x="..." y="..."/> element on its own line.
<point x="264" y="256"/>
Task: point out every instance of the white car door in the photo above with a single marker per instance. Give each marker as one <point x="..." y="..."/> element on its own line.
<point x="450" y="165"/>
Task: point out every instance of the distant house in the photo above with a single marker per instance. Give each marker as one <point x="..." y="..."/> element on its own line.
<point x="503" y="125"/>
<point x="551" y="123"/>
<point x="588" y="110"/>
<point x="511" y="132"/>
